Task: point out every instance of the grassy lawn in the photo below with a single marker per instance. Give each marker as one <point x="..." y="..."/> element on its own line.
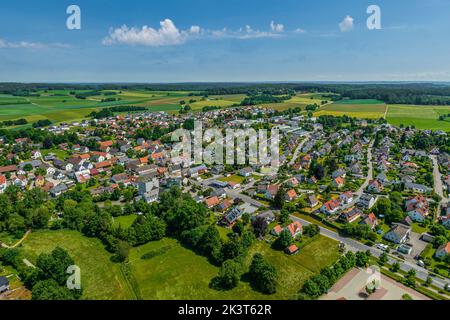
<point x="418" y="229"/>
<point x="100" y="278"/>
<point x="124" y="221"/>
<point x="233" y="178"/>
<point x="176" y="272"/>
<point x="8" y="239"/>
<point x="60" y="154"/>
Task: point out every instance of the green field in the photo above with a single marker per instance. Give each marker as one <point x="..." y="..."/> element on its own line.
<point x="422" y="117"/>
<point x="366" y="109"/>
<point x="176" y="272"/>
<point x="100" y="278"/>
<point x="360" y="101"/>
<point x="60" y="105"/>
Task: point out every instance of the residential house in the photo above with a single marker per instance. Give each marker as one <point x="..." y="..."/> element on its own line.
<point x="246" y="172"/>
<point x="312" y="201"/>
<point x="295" y="228"/>
<point x="443" y="251"/>
<point x="3" y="184"/>
<point x="338" y="182"/>
<point x="276" y="230"/>
<point x="338" y="173"/>
<point x="375" y="186"/>
<point x="330" y="207"/>
<point x="398" y="234"/>
<point x="271" y="192"/>
<point x="350" y="215"/>
<point x="211" y="202"/>
<point x="292" y="182"/>
<point x="36" y="154"/>
<point x="446" y="221"/>
<point x="148" y="189"/>
<point x="346" y="197"/>
<point x="232" y="216"/>
<point x="198" y="170"/>
<point x="415" y="187"/>
<point x="268" y="216"/>
<point x="292" y="249"/>
<point x="366" y="201"/>
<point x="417" y="208"/>
<point x="4" y="284"/>
<point x="291" y="195"/>
<point x="370" y="220"/>
<point x="105" y="145"/>
<point x="58" y="190"/>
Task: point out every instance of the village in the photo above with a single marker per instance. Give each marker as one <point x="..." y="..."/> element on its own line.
<point x="365" y="184"/>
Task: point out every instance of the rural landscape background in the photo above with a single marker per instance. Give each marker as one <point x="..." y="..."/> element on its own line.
<point x="91" y="92"/>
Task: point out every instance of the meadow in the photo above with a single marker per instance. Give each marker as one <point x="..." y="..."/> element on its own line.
<point x="100" y="278"/>
<point x="176" y="272"/>
<point x="366" y="109"/>
<point x="171" y="271"/>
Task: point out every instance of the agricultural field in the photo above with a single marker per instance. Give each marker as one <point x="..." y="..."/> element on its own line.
<point x="61" y="105"/>
<point x="100" y="278"/>
<point x="365" y="109"/>
<point x="422" y="117"/>
<point x="300" y="100"/>
<point x="175" y="272"/>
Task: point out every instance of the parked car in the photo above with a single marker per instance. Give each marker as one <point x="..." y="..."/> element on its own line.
<point x="420" y="263"/>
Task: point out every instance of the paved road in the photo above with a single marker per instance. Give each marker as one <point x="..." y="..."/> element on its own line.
<point x="354" y="246"/>
<point x="236" y="194"/>
<point x="298" y="149"/>
<point x="438" y="188"/>
<point x="369" y="176"/>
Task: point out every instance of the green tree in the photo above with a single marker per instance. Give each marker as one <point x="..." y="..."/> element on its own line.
<point x="263" y="275"/>
<point x="229" y="274"/>
<point x="383" y="258"/>
<point x="285" y="239"/>
<point x="50" y="290"/>
<point x="395" y="267"/>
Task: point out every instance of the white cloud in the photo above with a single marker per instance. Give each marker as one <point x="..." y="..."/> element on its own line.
<point x="276" y="27"/>
<point x="246" y="32"/>
<point x="346" y="24"/>
<point x="195" y="30"/>
<point x="29" y="45"/>
<point x="167" y="34"/>
<point x="299" y="30"/>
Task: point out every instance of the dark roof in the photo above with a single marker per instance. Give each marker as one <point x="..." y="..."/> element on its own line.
<point x="4" y="281"/>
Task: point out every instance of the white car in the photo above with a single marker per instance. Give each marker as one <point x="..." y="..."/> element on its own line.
<point x="383" y="247"/>
<point x="420" y="263"/>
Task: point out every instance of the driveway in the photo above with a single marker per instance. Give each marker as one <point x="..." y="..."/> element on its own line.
<point x="418" y="246"/>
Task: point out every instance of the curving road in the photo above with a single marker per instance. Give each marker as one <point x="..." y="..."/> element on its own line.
<point x="354" y="246"/>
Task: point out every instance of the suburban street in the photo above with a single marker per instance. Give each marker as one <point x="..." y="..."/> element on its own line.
<point x="298" y="149"/>
<point x="438" y="187"/>
<point x="354" y="246"/>
<point x="369" y="176"/>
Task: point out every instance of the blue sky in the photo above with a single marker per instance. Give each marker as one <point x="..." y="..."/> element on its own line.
<point x="218" y="40"/>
